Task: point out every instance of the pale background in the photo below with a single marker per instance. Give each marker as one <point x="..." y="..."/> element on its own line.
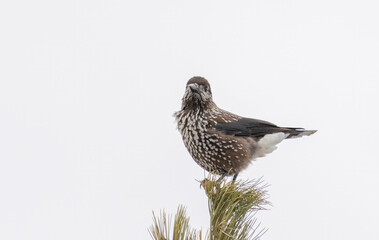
<point x="88" y="144"/>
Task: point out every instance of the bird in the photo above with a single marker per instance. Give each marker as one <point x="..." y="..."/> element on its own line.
<point x="222" y="142"/>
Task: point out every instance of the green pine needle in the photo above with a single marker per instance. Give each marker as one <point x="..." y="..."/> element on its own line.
<point x="232" y="206"/>
<point x="182" y="231"/>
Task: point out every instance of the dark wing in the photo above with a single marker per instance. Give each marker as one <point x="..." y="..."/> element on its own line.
<point x="253" y="127"/>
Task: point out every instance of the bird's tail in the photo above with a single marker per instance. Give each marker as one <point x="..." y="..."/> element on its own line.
<point x="299" y="132"/>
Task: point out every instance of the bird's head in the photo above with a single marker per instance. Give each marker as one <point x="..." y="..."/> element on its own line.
<point x="198" y="93"/>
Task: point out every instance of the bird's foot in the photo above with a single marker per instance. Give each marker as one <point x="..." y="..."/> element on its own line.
<point x="235" y="177"/>
<point x="221" y="177"/>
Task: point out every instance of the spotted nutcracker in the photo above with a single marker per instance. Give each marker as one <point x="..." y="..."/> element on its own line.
<point x="223" y="142"/>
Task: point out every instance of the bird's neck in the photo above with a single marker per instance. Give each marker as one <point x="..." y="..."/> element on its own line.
<point x="198" y="106"/>
<point x="193" y="112"/>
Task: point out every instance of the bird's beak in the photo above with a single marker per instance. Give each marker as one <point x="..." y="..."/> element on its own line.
<point x="193" y="88"/>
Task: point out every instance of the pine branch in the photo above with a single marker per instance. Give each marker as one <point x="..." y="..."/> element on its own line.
<point x="232" y="207"/>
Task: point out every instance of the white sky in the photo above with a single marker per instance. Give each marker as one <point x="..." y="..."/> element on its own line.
<point x="88" y="144"/>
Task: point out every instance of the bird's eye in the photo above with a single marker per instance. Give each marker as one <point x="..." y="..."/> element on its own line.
<point x="206" y="88"/>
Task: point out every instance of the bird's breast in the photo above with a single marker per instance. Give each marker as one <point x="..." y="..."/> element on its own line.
<point x="208" y="147"/>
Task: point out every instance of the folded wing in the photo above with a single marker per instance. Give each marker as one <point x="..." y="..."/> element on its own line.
<point x="250" y="127"/>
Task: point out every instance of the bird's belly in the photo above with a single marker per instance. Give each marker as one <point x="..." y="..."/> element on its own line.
<point x="219" y="153"/>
